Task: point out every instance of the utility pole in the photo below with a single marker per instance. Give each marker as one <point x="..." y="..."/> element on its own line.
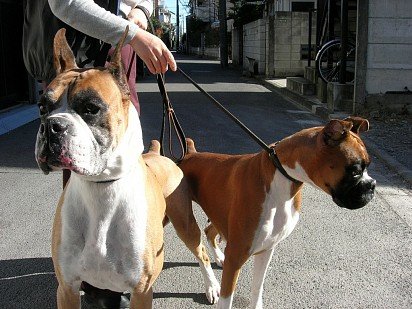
<point x="344" y="41"/>
<point x="156" y="8"/>
<point x="177" y="25"/>
<point x="223" y="34"/>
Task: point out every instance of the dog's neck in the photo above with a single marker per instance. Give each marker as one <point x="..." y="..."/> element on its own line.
<point x="298" y="151"/>
<point x="124" y="157"/>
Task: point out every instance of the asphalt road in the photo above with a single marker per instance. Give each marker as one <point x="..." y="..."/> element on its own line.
<point x="335" y="258"/>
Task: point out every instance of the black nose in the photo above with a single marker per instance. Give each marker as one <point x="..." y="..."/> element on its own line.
<point x="371" y="185"/>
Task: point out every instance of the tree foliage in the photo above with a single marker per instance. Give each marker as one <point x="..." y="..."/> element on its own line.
<point x="244" y="12"/>
<point x="195" y="27"/>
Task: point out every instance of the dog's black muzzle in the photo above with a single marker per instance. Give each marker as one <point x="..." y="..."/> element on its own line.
<point x="355" y="196"/>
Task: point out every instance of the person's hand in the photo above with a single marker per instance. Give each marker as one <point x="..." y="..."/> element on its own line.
<point x="137" y="16"/>
<point x="153" y="52"/>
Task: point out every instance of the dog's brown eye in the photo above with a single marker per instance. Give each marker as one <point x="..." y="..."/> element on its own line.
<point x="91" y="109"/>
<point x="356" y="171"/>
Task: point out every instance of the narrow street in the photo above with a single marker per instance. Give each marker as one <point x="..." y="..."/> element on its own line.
<point x="335" y="258"/>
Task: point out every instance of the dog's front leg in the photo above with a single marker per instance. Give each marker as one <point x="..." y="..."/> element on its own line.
<point x="142" y="300"/>
<point x="67" y="298"/>
<point x="261" y="263"/>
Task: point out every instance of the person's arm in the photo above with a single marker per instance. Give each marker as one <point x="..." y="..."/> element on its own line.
<point x="88" y="17"/>
<point x="93" y="20"/>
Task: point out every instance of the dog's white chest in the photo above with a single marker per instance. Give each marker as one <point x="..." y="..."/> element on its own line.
<point x="104" y="232"/>
<point x="278" y="217"/>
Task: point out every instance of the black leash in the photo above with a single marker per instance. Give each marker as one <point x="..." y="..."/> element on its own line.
<point x="169" y="121"/>
<point x="270" y="150"/>
<point x="170" y="118"/>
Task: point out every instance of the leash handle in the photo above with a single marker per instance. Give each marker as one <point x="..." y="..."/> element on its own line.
<point x="170" y="123"/>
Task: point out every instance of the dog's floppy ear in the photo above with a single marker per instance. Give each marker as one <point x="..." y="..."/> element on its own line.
<point x="359" y="124"/>
<point x="335" y="131"/>
<point x="63" y="57"/>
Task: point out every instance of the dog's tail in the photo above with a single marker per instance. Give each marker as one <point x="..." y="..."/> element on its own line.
<point x="190" y="146"/>
<point x="154" y="147"/>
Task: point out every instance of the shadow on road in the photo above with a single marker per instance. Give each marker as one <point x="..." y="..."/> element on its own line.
<point x="199" y="298"/>
<point x="168" y="265"/>
<point x="31" y="283"/>
<point x="17" y="147"/>
<point x="27" y="283"/>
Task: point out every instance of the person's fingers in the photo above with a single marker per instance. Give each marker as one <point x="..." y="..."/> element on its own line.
<point x="157" y="64"/>
<point x="170" y="59"/>
<point x="142" y="24"/>
<point x="154" y="52"/>
<point x="150" y="66"/>
<point x="138" y="17"/>
<point x="163" y="64"/>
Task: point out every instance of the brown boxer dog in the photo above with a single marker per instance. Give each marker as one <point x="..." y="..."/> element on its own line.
<point x="253" y="206"/>
<point x="108" y="229"/>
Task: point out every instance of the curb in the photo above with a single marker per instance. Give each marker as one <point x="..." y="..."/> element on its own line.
<point x="402" y="171"/>
<point x="17" y="117"/>
<point x="323" y="112"/>
<point x="315" y="108"/>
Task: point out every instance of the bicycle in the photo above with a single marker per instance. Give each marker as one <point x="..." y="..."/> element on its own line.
<point x="328" y="61"/>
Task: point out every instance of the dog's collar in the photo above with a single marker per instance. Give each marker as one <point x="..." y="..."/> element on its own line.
<point x="275" y="160"/>
<point x="107" y="181"/>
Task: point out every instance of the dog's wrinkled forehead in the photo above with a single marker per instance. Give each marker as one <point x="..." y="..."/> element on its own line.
<point x="98" y="81"/>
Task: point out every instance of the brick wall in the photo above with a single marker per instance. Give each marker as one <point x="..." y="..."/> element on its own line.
<point x="389" y="52"/>
<point x="290" y="35"/>
<point x="254" y="44"/>
<point x="291" y="32"/>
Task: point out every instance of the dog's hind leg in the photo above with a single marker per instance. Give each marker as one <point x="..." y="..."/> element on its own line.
<point x="179" y="211"/>
<point x="211" y="235"/>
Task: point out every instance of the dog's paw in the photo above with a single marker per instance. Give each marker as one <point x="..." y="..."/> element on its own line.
<point x="219" y="257"/>
<point x="213" y="292"/>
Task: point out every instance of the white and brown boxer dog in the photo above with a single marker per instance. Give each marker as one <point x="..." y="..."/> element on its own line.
<point x="253" y="206"/>
<point x="108" y="228"/>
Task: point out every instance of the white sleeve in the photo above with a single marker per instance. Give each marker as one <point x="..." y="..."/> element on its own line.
<point x="127" y="5"/>
<point x="93" y="20"/>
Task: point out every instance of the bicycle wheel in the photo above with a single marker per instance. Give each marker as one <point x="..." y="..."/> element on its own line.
<point x="329" y="62"/>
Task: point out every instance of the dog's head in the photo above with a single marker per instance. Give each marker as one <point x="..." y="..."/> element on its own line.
<point x="84" y="113"/>
<point x="339" y="163"/>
